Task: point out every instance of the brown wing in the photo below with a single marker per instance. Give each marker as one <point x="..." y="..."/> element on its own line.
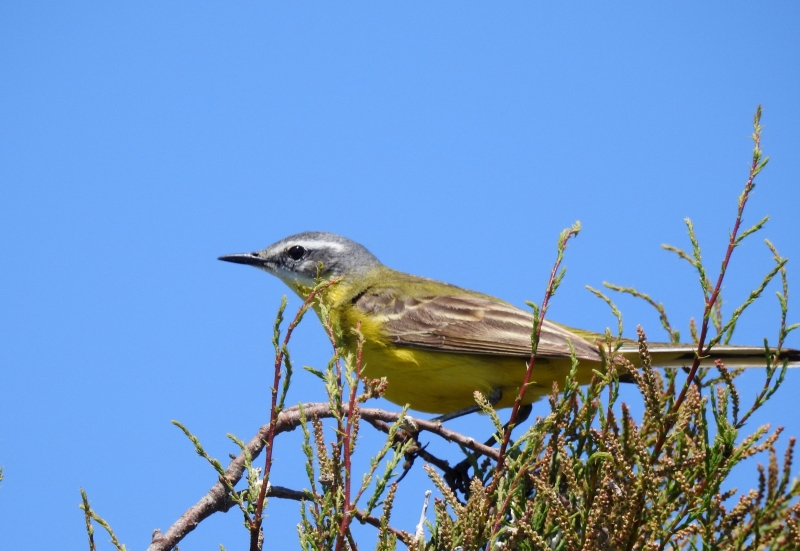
<point x="467" y="324"/>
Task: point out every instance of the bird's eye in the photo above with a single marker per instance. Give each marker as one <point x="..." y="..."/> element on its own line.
<point x="296" y="253"/>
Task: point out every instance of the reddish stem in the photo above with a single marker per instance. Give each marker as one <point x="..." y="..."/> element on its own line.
<point x="507" y="501"/>
<point x="518" y="401"/>
<point x="255" y="523"/>
<point x="531" y="362"/>
<point x="348" y="434"/>
<point x="670" y="421"/>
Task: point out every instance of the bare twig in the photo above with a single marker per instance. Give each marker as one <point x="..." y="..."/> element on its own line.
<point x="402" y="535"/>
<point x="282" y="492"/>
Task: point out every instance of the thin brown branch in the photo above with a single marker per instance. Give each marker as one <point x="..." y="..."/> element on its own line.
<point x="281" y="492"/>
<point x="402" y="535"/>
<point x="216" y="498"/>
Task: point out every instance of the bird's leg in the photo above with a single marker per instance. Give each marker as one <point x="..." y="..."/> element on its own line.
<point x="456" y="414"/>
<point x="453" y="477"/>
<point x="522" y="415"/>
<point x="416" y="449"/>
<point x="462" y="468"/>
<point x="493" y="398"/>
<point x="458" y="477"/>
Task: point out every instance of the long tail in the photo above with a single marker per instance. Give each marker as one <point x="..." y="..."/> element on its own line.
<point x="682" y="355"/>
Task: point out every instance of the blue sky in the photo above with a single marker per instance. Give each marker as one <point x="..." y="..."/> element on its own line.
<point x="140" y="141"/>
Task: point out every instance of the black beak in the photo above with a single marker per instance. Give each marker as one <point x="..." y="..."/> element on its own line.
<point x="253" y="259"/>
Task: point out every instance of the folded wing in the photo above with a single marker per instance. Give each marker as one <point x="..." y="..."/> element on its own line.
<point x="467" y="324"/>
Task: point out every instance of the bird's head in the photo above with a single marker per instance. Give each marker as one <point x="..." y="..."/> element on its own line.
<point x="299" y="259"/>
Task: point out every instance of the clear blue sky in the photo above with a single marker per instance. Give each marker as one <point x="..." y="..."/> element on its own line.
<point x="141" y="140"/>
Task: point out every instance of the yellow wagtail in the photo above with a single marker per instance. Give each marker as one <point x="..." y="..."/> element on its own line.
<point x="436" y="343"/>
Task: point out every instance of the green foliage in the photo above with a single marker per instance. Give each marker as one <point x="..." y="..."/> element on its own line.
<point x="91" y="516"/>
<point x="587" y="476"/>
<point x="333" y="499"/>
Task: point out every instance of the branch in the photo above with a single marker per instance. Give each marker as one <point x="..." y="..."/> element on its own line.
<point x="216" y="499"/>
<point x="282" y="492"/>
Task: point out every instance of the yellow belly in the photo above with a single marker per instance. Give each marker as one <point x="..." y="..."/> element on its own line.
<point x="441" y="382"/>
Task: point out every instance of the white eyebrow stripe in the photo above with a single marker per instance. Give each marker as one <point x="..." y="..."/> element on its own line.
<point x="317" y="244"/>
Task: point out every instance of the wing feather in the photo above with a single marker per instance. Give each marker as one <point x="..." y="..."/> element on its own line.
<point x="467" y="324"/>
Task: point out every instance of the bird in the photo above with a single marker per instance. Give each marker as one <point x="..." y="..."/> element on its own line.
<point x="437" y="344"/>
